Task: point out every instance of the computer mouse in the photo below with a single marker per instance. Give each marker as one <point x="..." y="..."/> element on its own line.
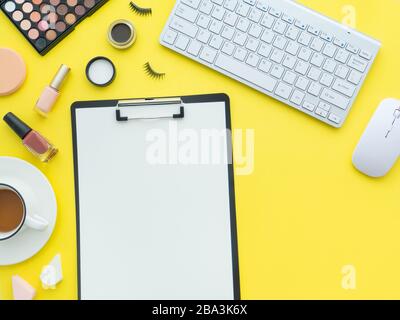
<point x="379" y="147"/>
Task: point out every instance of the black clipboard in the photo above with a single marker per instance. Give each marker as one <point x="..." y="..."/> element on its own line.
<point x="220" y="97"/>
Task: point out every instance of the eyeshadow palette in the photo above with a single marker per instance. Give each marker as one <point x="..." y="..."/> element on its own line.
<point x="44" y="23"/>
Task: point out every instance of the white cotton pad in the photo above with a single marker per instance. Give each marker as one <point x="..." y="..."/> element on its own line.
<point x="100" y="71"/>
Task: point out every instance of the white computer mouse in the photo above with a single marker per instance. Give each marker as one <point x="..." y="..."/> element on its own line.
<point x="379" y="147"/>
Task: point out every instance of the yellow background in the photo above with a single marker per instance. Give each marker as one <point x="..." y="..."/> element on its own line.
<point x="303" y="213"/>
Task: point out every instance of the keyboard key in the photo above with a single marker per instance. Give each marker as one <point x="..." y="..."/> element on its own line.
<point x="231" y="4"/>
<point x="240" y="53"/>
<point x="204" y="36"/>
<point x="314" y="89"/>
<point x="287" y="18"/>
<point x="228" y="48"/>
<point x="314" y="30"/>
<point x="314" y="74"/>
<point x="265" y="65"/>
<point x="339" y="42"/>
<point x="304" y="39"/>
<point x="324" y="106"/>
<point x="289" y="61"/>
<point x="292" y="48"/>
<point x="275" y="12"/>
<point x="317" y="44"/>
<point x="268" y="36"/>
<point x="334" y="118"/>
<point x="300" y="24"/>
<point x="227" y="32"/>
<point x="218" y="2"/>
<point x="351" y="48"/>
<point x="309" y="106"/>
<point x="203" y="21"/>
<point x="280" y="27"/>
<point x="262" y="5"/>
<point x="184" y="26"/>
<point x="252" y="44"/>
<point x="342" y="72"/>
<point x="240" y="38"/>
<point x="277" y="71"/>
<point x="250" y="2"/>
<point x="329" y="50"/>
<point x="280" y="42"/>
<point x="247" y="73"/>
<point x="290" y="77"/>
<point x="355" y="77"/>
<point x="283" y="91"/>
<point x="302" y="83"/>
<point x="216" y="26"/>
<point x="304" y="54"/>
<point x="252" y="60"/>
<point x="329" y="65"/>
<point x="297" y="97"/>
<point x="264" y="50"/>
<point x="321" y="112"/>
<point x="208" y="54"/>
<point x="255" y="15"/>
<point x="255" y="30"/>
<point x="267" y="21"/>
<point x="292" y="33"/>
<point x="182" y="42"/>
<point x="365" y="54"/>
<point x="206" y="7"/>
<point x="326" y="36"/>
<point x="344" y="87"/>
<point x="301" y="67"/>
<point x="231" y="19"/>
<point x="358" y="63"/>
<point x="192" y="3"/>
<point x="243" y="9"/>
<point x="194" y="47"/>
<point x="216" y="42"/>
<point x="326" y="79"/>
<point x="317" y="59"/>
<point x="334" y="98"/>
<point x="342" y="56"/>
<point x="218" y="13"/>
<point x="170" y="36"/>
<point x="186" y="13"/>
<point x="243" y="24"/>
<point x="277" y="56"/>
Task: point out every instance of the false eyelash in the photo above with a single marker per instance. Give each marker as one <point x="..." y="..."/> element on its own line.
<point x="139" y="10"/>
<point x="152" y="73"/>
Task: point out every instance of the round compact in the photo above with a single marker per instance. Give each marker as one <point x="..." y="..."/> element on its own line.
<point x="13" y="71"/>
<point x="121" y="34"/>
<point x="100" y="71"/>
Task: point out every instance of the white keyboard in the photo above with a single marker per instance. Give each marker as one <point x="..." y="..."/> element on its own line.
<point x="278" y="47"/>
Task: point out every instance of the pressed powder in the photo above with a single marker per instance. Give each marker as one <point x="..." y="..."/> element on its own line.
<point x="13" y="71"/>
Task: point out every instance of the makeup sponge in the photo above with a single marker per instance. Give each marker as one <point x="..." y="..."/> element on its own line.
<point x="52" y="273"/>
<point x="13" y="71"/>
<point x="22" y="290"/>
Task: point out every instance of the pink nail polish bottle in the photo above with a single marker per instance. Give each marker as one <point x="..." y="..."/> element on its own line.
<point x="32" y="140"/>
<point x="50" y="94"/>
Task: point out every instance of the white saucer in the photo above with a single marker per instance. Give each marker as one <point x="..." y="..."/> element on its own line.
<point x="27" y="242"/>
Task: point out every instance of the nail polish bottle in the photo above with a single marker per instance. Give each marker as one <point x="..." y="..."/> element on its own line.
<point x="50" y="94"/>
<point x="32" y="140"/>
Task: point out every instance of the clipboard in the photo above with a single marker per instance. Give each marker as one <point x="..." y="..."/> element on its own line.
<point x="148" y="231"/>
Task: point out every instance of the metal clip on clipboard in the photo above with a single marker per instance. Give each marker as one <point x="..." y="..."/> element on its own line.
<point x="147" y="113"/>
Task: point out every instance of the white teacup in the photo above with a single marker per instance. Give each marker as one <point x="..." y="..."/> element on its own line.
<point x="28" y="219"/>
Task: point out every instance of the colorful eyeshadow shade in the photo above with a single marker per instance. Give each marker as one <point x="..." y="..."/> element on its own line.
<point x="33" y="34"/>
<point x="44" y="23"/>
<point x="27" y="7"/>
<point x="35" y="16"/>
<point x="51" y="35"/>
<point x="25" y="25"/>
<point x="17" y="16"/>
<point x="70" y="19"/>
<point x="10" y="6"/>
